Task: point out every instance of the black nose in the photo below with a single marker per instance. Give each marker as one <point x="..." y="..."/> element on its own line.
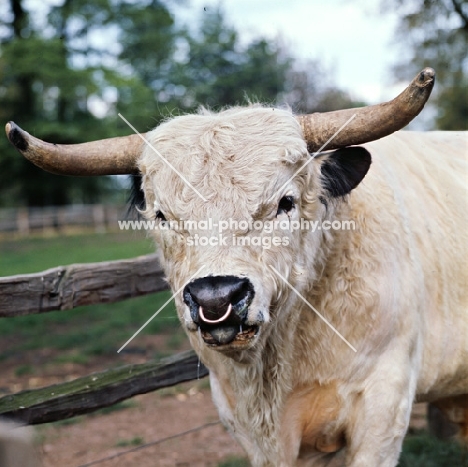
<point x="215" y="299"/>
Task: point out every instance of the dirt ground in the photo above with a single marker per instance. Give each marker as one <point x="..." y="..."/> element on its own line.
<point x="142" y="420"/>
<point x="145" y="419"/>
<point x="154" y="417"/>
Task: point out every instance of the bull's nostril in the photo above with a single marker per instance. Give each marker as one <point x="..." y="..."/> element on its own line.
<point x="215" y="299"/>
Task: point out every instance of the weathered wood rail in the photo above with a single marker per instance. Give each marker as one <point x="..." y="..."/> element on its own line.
<point x="98" y="390"/>
<point x="64" y="288"/>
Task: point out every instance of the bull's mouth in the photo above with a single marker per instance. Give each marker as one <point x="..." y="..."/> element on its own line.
<point x="228" y="334"/>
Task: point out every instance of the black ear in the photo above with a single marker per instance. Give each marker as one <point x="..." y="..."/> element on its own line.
<point x="343" y="170"/>
<point x="136" y="199"/>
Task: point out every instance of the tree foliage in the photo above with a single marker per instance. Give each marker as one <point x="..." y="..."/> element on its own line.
<point x="435" y="33"/>
<point x="65" y="74"/>
<point x="216" y="70"/>
<point x="40" y="89"/>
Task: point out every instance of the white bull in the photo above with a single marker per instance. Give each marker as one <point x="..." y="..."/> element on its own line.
<point x="395" y="287"/>
<point x="318" y="340"/>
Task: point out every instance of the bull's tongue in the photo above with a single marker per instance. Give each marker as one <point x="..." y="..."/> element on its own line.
<point x="224" y="334"/>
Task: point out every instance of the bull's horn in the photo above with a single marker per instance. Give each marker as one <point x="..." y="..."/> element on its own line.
<point x="111" y="156"/>
<point x="370" y="123"/>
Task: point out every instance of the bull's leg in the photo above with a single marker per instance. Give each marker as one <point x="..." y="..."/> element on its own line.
<point x="449" y="417"/>
<point x="378" y="441"/>
<point x="439" y="424"/>
<point x="380" y="419"/>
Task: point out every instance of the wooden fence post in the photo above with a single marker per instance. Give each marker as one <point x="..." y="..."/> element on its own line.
<point x="22" y="221"/>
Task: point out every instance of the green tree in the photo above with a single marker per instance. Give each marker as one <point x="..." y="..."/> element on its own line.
<point x="309" y="89"/>
<point x="40" y="88"/>
<point x="435" y="33"/>
<point x="216" y="69"/>
<point x="213" y="68"/>
<point x="128" y="56"/>
<point x="147" y="36"/>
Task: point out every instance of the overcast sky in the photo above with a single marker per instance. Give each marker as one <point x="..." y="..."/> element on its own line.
<point x="350" y="37"/>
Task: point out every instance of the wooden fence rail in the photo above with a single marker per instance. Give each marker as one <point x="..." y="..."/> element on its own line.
<point x="66" y="287"/>
<point x="97" y="217"/>
<point x="98" y="390"/>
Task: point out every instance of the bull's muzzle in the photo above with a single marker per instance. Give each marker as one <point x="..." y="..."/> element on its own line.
<point x="219" y="307"/>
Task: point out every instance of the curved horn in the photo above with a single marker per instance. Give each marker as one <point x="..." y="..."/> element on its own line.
<point x="112" y="156"/>
<point x="369" y="123"/>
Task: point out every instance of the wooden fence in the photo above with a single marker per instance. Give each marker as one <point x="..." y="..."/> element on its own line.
<point x="64" y="288"/>
<point x="61" y="219"/>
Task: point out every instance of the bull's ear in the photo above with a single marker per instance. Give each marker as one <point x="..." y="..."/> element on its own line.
<point x="342" y="170"/>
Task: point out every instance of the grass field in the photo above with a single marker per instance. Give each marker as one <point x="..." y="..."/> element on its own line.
<point x="423" y="450"/>
<point x="98" y="330"/>
<point x="36" y="254"/>
<point x="85" y="331"/>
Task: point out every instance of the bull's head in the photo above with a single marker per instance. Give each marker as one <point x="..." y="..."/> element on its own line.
<point x="222" y="187"/>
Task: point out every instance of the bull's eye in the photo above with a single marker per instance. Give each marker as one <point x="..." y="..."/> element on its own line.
<point x="160" y="216"/>
<point x="285" y="205"/>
